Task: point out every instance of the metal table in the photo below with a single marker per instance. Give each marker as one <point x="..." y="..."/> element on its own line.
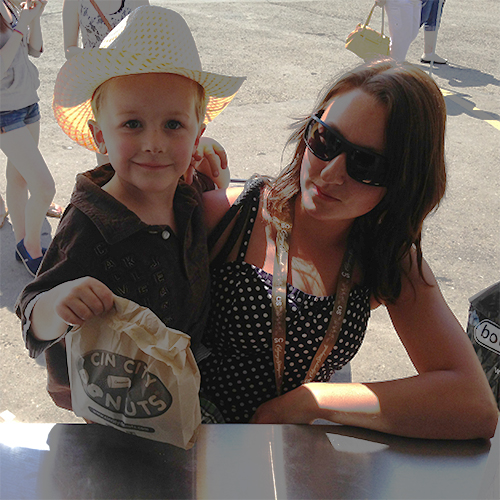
<point x="236" y="461"/>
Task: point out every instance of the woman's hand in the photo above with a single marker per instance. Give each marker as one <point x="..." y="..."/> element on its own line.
<point x="210" y="159"/>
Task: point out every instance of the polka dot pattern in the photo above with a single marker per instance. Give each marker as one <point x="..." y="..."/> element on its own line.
<point x="239" y="375"/>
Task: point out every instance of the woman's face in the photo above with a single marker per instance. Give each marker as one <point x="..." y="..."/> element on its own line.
<point x="327" y="191"/>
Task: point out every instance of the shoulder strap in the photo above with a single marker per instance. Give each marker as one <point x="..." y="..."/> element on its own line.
<point x="14" y="14"/>
<point x="241" y="210"/>
<point x="103" y="17"/>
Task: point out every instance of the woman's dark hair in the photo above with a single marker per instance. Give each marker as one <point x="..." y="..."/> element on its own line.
<point x="416" y="111"/>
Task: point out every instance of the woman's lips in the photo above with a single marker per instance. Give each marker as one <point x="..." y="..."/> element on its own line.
<point x="322" y="194"/>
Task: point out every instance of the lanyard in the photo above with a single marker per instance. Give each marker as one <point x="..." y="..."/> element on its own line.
<point x="280" y="273"/>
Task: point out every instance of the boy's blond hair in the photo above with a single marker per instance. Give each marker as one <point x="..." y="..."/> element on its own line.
<point x="200" y="104"/>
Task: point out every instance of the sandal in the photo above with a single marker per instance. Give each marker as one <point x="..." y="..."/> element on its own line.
<point x="55" y="210"/>
<point x="3" y="217"/>
<point x="32" y="265"/>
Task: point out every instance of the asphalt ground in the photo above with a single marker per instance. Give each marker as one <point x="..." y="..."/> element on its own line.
<point x="289" y="51"/>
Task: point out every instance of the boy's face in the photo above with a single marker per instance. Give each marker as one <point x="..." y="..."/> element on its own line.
<point x="148" y="126"/>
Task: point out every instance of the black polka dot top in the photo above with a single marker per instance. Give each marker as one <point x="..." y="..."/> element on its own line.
<point x="238" y="376"/>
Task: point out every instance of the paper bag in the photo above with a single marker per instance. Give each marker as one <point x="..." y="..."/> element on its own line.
<point x="483" y="329"/>
<point x="129" y="371"/>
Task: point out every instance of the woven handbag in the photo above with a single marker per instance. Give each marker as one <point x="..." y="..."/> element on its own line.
<point x="367" y="43"/>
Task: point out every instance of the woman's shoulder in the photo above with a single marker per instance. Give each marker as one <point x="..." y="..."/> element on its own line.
<point x="217" y="203"/>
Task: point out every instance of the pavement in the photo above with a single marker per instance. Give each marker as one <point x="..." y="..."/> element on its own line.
<point x="289" y="50"/>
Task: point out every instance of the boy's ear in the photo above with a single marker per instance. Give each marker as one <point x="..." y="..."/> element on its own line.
<point x="98" y="137"/>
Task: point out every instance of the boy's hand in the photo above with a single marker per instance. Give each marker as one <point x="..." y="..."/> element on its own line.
<point x="79" y="300"/>
<point x="210" y="159"/>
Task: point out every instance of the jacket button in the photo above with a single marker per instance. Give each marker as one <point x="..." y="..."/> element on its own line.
<point x="165" y="235"/>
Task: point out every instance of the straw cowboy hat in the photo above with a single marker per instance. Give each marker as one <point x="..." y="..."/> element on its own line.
<point x="149" y="40"/>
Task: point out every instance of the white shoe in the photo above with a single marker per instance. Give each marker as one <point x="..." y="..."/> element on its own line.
<point x="427" y="58"/>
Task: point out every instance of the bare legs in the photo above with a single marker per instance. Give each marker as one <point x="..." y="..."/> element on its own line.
<point x="430" y="38"/>
<point x="27" y="172"/>
<point x="404" y="25"/>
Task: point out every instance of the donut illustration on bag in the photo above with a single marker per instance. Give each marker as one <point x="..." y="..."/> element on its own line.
<point x="123" y="385"/>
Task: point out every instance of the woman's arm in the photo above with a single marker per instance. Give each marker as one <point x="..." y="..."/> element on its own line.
<point x="71" y="28"/>
<point x="449" y="398"/>
<point x="71" y="25"/>
<point x="35" y="42"/>
<point x="217" y="203"/>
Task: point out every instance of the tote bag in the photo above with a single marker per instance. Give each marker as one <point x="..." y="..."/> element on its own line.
<point x="367" y="43"/>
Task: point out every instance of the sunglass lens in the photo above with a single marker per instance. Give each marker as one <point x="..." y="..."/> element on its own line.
<point x="364" y="167"/>
<point x="322" y="142"/>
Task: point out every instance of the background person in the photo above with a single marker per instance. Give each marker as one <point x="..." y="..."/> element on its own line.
<point x="403" y="17"/>
<point x="430" y="9"/>
<point x="81" y="16"/>
<point x="30" y="186"/>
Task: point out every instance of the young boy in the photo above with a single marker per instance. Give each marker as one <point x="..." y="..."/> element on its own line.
<point x="131" y="228"/>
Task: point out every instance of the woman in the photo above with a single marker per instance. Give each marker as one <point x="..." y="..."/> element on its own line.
<point x="429" y="19"/>
<point x="404" y="24"/>
<point x="82" y="16"/>
<point x="368" y="168"/>
<point x="27" y="172"/>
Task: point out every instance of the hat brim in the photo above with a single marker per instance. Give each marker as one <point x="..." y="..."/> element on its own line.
<point x="80" y="76"/>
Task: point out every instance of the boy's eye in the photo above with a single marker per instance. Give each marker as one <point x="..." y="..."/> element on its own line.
<point x="133" y="124"/>
<point x="173" y="125"/>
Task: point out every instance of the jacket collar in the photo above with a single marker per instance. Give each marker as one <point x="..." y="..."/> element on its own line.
<point x="112" y="218"/>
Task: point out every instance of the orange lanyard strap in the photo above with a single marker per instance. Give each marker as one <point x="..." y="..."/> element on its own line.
<point x="280" y="273"/>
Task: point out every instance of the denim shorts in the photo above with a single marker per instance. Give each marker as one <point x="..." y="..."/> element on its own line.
<point x="10" y="120"/>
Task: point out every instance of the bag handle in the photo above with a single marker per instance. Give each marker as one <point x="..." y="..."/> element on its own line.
<point x="367" y="19"/>
<point x="367" y="22"/>
<point x="103" y="17"/>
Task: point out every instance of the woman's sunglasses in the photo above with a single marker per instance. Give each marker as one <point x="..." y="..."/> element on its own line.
<point x="362" y="165"/>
